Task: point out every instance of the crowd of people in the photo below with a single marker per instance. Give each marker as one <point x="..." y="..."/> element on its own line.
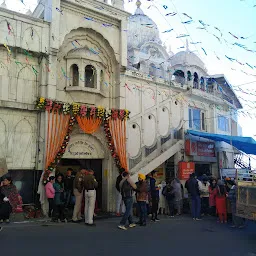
<point x="63" y="192"/>
<point x="206" y="196"/>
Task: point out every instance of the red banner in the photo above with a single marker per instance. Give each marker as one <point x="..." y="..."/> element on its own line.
<point x="185" y="169"/>
<point x="199" y="148"/>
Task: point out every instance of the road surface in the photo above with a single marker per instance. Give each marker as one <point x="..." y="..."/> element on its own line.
<point x="179" y="236"/>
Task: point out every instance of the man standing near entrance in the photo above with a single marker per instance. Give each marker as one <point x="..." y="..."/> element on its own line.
<point x="154" y="196"/>
<point x="90" y="185"/>
<point x="78" y="192"/>
<point x="68" y="185"/>
<point x="194" y="191"/>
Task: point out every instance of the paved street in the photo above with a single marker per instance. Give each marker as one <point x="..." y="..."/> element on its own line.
<point x="179" y="236"/>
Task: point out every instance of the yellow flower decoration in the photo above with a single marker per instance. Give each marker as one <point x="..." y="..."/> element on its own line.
<point x="42" y="99"/>
<point x="75" y="108"/>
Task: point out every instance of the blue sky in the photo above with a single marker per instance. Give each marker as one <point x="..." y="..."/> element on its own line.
<point x="235" y="16"/>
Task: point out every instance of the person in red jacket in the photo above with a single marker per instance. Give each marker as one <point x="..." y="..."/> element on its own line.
<point x="221" y="203"/>
<point x="212" y="195"/>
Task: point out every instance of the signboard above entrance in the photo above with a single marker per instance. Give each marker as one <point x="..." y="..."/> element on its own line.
<point x="84" y="146"/>
<point x="199" y="148"/>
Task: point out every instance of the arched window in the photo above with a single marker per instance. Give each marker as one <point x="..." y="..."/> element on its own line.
<point x="101" y="79"/>
<point x="90" y="76"/>
<point x="210" y="85"/>
<point x="202" y="86"/>
<point x="179" y="76"/>
<point x="189" y="76"/>
<point x="74" y="75"/>
<point x="195" y="82"/>
<point x="152" y="69"/>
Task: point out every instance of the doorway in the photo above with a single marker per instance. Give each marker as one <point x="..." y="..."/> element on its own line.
<point x="201" y="169"/>
<point x="77" y="164"/>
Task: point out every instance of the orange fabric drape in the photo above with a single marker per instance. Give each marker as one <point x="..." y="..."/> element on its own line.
<point x="89" y="124"/>
<point x="56" y="132"/>
<point x="118" y="132"/>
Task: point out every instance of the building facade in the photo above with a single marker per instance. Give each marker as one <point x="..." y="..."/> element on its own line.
<point x="95" y="53"/>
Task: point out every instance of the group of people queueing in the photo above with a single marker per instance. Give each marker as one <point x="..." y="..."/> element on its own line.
<point x="10" y="200"/>
<point x="210" y="196"/>
<point x="147" y="197"/>
<point x="60" y="190"/>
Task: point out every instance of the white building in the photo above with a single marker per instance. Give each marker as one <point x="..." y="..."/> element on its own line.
<point x="77" y="51"/>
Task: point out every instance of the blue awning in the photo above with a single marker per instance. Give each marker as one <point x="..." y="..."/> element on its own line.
<point x="245" y="144"/>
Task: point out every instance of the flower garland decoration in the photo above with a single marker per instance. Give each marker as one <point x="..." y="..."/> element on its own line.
<point x="75" y="109"/>
<point x="61" y="151"/>
<point x="111" y="145"/>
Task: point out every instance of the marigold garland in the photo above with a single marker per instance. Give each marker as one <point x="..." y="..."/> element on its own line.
<point x="75" y="109"/>
<point x="111" y="145"/>
<point x="61" y="152"/>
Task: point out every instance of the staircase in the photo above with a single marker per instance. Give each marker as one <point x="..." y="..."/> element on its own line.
<point x="150" y="158"/>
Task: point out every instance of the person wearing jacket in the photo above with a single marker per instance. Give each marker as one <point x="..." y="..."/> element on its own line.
<point x="212" y="195"/>
<point x="221" y="203"/>
<point x="238" y="222"/>
<point x="154" y="197"/>
<point x="50" y="193"/>
<point x="90" y="186"/>
<point x="169" y="194"/>
<point x="204" y="189"/>
<point x="127" y="187"/>
<point x="5" y="208"/>
<point x="177" y="195"/>
<point x="68" y="184"/>
<point x="142" y="197"/>
<point x="59" y="199"/>
<point x="78" y="192"/>
<point x="193" y="189"/>
<point x="119" y="201"/>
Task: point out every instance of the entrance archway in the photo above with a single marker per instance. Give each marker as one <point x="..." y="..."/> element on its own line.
<point x="85" y="151"/>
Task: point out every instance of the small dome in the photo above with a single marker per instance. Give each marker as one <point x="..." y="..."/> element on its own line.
<point x="141" y="29"/>
<point x="187" y="58"/>
<point x="3" y="5"/>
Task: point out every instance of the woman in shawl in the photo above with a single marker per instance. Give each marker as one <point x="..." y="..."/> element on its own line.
<point x="59" y="199"/>
<point x="212" y="196"/>
<point x="177" y="189"/>
<point x="221" y="203"/>
<point x="9" y="190"/>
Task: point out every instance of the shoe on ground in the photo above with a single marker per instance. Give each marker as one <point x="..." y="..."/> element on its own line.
<point x="233" y="226"/>
<point x="132" y="225"/>
<point x="172" y="216"/>
<point x="122" y="227"/>
<point x="118" y="214"/>
<point x="153" y="220"/>
<point x="90" y="224"/>
<point x="1" y="221"/>
<point x="7" y="221"/>
<point x="194" y="218"/>
<point x="157" y="219"/>
<point x="198" y="219"/>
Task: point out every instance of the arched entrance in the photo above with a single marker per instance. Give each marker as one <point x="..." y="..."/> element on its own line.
<point x="84" y="151"/>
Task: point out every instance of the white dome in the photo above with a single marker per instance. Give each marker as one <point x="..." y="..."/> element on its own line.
<point x="141" y="29"/>
<point x="187" y="58"/>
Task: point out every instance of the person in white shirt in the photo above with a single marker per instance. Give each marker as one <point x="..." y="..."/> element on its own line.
<point x="204" y="192"/>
